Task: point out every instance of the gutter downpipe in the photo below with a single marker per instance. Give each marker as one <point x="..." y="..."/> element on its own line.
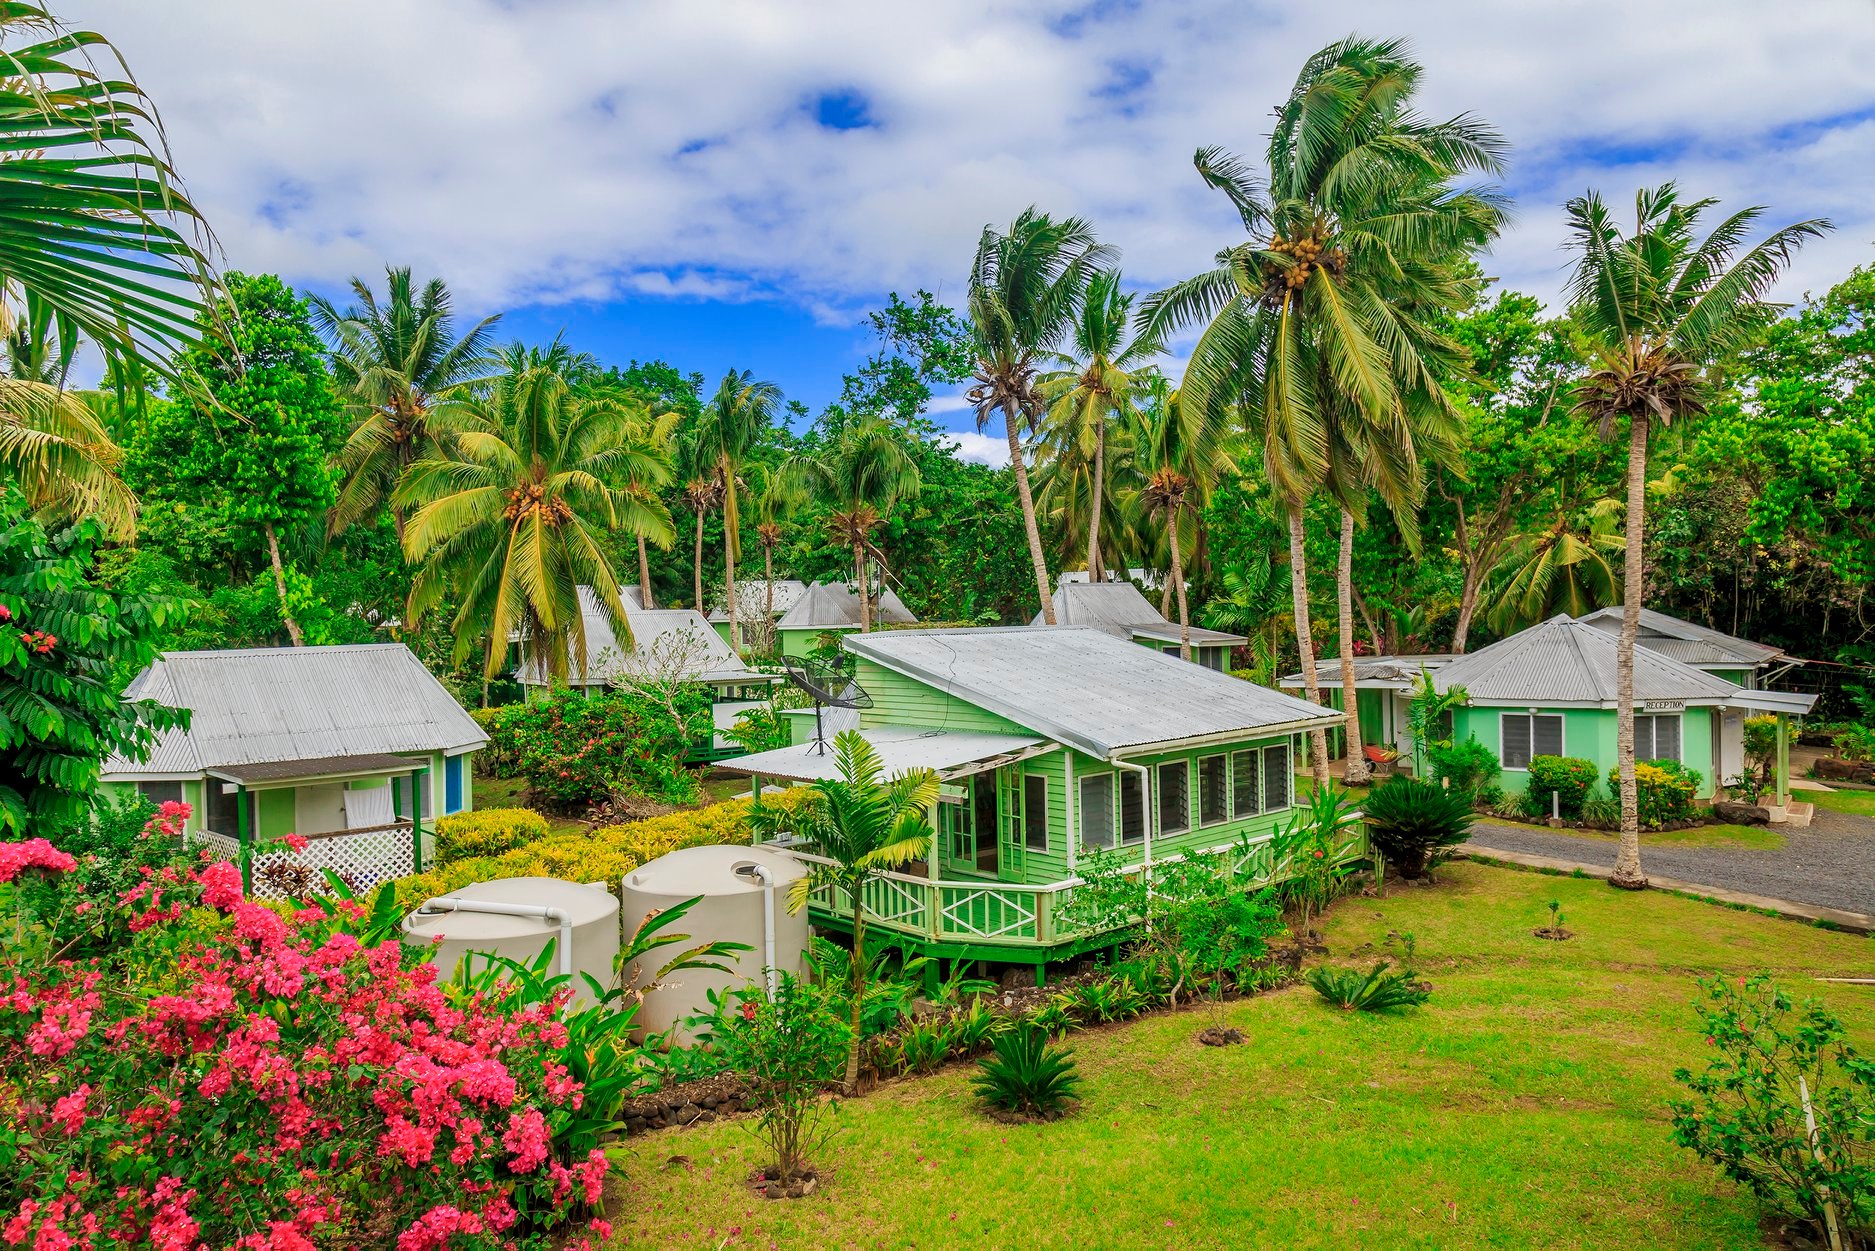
<point x="761" y="874"/>
<point x="1145" y="792"/>
<point x="559" y="916"/>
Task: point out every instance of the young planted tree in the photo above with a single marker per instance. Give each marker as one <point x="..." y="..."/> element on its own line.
<point x="513" y="522"/>
<point x="393" y="362"/>
<point x="1660" y="306"/>
<point x="1320" y="329"/>
<point x="1025" y="288"/>
<point x="864" y="824"/>
<point x="734" y="423"/>
<point x="261" y="419"/>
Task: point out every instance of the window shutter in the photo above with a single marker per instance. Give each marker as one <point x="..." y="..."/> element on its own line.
<point x="1546" y="736"/>
<point x="1275" y="778"/>
<point x="1666" y="738"/>
<point x="1213" y="790"/>
<point x="1174" y="797"/>
<point x="1243" y="773"/>
<point x="1096" y="809"/>
<point x="1132" y="808"/>
<point x="1515" y="731"/>
<point x="1035" y="811"/>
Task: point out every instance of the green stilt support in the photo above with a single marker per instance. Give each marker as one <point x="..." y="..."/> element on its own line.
<point x="933" y="978"/>
<point x="1041" y="975"/>
<point x="241" y="825"/>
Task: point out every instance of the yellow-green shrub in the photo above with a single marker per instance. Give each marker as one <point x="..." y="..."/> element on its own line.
<point x="602" y="855"/>
<point x="488" y="832"/>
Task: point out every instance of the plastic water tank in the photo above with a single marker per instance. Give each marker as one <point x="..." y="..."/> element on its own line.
<point x="729" y="908"/>
<point x="590" y="911"/>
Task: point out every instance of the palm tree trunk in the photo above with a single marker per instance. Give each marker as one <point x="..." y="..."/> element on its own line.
<point x="860" y="580"/>
<point x="857" y="982"/>
<point x="1627" y="874"/>
<point x="1305" y="641"/>
<point x="730" y="537"/>
<point x="644" y="574"/>
<point x="1358" y="772"/>
<point x="279" y="585"/>
<point x="1178" y="580"/>
<point x="699" y="562"/>
<point x="1027" y="500"/>
<point x="1094" y="570"/>
<point x="768" y="596"/>
<point x="1165" y="599"/>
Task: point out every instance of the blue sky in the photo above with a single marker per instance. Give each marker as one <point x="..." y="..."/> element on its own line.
<point x="734" y="183"/>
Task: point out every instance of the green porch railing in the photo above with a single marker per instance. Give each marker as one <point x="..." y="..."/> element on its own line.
<point x="1012" y="914"/>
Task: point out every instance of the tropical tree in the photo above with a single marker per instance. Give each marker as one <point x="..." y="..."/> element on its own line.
<point x="642" y="476"/>
<point x="1322" y="327"/>
<point x="861" y="826"/>
<point x="1660" y="306"/>
<point x="1096" y="382"/>
<point x="1178" y="453"/>
<point x="393" y="362"/>
<point x="863" y="474"/>
<point x="1026" y="286"/>
<point x="1255" y="599"/>
<point x="773" y="497"/>
<point x="735" y="420"/>
<point x="1562" y="567"/>
<point x="506" y="520"/>
<point x="702" y="494"/>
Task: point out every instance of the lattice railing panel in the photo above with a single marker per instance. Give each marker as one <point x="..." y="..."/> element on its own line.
<point x="364" y="858"/>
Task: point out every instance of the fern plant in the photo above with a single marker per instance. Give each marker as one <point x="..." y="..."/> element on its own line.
<point x="1028" y="1075"/>
<point x="1374" y="991"/>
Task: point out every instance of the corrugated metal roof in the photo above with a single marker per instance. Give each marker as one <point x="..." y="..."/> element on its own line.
<point x="1567" y="662"/>
<point x="1079" y="686"/>
<point x="661" y="638"/>
<point x="1388" y="671"/>
<point x="1117" y="608"/>
<point x="1685" y="641"/>
<point x="788" y="593"/>
<point x="900" y="748"/>
<point x="266" y="704"/>
<point x="831" y="605"/>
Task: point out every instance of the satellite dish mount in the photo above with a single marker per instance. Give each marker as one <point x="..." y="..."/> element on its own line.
<point x="828" y="687"/>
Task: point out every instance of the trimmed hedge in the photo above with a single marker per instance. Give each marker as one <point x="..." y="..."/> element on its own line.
<point x="1570" y="778"/>
<point x="1664" y="791"/>
<point x="487" y="833"/>
<point x="602" y="855"/>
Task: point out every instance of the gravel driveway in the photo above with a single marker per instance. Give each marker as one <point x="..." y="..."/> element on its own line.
<point x="1832" y="863"/>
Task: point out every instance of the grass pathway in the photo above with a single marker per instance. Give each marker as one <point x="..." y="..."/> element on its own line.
<point x="1524" y="1106"/>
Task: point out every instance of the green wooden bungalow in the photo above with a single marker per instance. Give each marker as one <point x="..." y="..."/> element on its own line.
<point x="1727" y="657"/>
<point x="752" y="598"/>
<point x="1118" y="608"/>
<point x="1050" y="742"/>
<point x="831" y="609"/>
<point x="668" y="644"/>
<point x="1550" y="690"/>
<point x="358" y="748"/>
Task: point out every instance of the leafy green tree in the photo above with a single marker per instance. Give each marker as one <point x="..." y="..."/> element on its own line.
<point x="392" y="363"/>
<point x="1025" y="288"/>
<point x="1660" y="306"/>
<point x="255" y="421"/>
<point x="68" y="648"/>
<point x="732" y="427"/>
<point x="512" y="521"/>
<point x="864" y="824"/>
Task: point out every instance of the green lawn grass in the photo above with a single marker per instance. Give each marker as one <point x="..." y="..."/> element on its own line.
<point x="1737" y="837"/>
<point x="512" y="793"/>
<point x="1856" y="803"/>
<point x="1524" y="1106"/>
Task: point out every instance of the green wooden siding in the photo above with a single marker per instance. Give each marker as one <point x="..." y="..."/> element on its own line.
<point x="1589" y="734"/>
<point x="899" y="700"/>
<point x="276" y="811"/>
<point x="803" y="642"/>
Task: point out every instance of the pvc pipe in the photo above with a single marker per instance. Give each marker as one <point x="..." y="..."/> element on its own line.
<point x="761" y="874"/>
<point x="560" y="916"/>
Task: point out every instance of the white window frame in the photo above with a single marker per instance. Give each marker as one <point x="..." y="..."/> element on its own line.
<point x="1158" y="796"/>
<point x="1256" y="783"/>
<point x="1119" y="808"/>
<point x="1028" y="843"/>
<point x="1562" y="737"/>
<point x="1113" y="809"/>
<point x="1288" y="776"/>
<point x="1222" y="758"/>
<point x="1653" y="720"/>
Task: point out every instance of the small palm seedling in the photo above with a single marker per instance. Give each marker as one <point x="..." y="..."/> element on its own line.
<point x="1374" y="991"/>
<point x="1028" y="1076"/>
<point x="1554" y="930"/>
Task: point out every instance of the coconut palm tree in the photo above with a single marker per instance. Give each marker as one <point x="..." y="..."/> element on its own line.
<point x="507" y="517"/>
<point x="702" y="494"/>
<point x="863" y="474"/>
<point x="1025" y="288"/>
<point x="1178" y="453"/>
<point x="1321" y="329"/>
<point x="1660" y="305"/>
<point x="861" y="826"/>
<point x="774" y="497"/>
<point x="1564" y="567"/>
<point x="393" y="362"/>
<point x="1255" y="599"/>
<point x="732" y="426"/>
<point x="1096" y="381"/>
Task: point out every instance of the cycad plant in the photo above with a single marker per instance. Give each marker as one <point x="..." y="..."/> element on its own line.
<point x="1027" y="1074"/>
<point x="513" y="520"/>
<point x="1374" y="991"/>
<point x="1322" y="329"/>
<point x="1660" y="306"/>
<point x="863" y="824"/>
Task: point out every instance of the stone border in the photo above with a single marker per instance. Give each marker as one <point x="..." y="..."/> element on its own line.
<point x="1815" y="914"/>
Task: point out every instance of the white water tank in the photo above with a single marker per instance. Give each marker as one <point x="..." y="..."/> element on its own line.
<point x="517" y="917"/>
<point x="730" y="908"/>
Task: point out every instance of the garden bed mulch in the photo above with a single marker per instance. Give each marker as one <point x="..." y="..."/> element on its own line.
<point x="686" y="1103"/>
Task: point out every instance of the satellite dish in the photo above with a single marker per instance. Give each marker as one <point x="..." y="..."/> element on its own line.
<point x="828" y="687"/>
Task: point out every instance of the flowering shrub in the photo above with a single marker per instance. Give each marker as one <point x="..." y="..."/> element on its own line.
<point x="1569" y="778"/>
<point x="602" y="855"/>
<point x="575" y="750"/>
<point x="488" y="832"/>
<point x="235" y="1075"/>
<point x="1664" y="788"/>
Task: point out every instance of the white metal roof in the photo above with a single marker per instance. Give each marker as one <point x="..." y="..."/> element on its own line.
<point x="268" y="704"/>
<point x="1565" y="662"/>
<point x="1117" y="608"/>
<point x="1380" y="672"/>
<point x="1100" y="694"/>
<point x="661" y="638"/>
<point x="788" y="593"/>
<point x="952" y="753"/>
<point x="1685" y="641"/>
<point x="833" y="605"/>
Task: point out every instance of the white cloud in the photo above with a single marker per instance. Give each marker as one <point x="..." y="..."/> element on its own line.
<point x="979" y="449"/>
<point x="574" y="149"/>
<point x="948" y="404"/>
